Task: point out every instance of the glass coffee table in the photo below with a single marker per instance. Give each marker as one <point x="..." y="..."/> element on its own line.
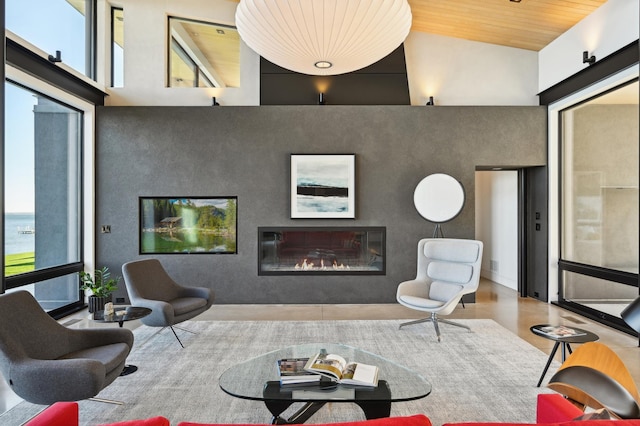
<point x="257" y="379"/>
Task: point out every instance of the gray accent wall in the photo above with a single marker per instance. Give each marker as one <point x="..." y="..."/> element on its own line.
<point x="244" y="151"/>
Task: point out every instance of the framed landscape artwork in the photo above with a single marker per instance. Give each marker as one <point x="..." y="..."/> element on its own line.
<point x="188" y="225"/>
<point x="323" y="186"/>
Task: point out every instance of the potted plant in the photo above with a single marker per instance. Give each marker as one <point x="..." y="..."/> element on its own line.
<point x="101" y="286"/>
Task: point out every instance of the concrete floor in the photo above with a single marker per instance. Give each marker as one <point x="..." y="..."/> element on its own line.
<point x="493" y="301"/>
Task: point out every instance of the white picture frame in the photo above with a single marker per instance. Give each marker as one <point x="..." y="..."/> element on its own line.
<point x="323" y="186"/>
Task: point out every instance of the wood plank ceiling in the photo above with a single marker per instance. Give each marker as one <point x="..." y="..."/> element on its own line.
<point x="528" y="24"/>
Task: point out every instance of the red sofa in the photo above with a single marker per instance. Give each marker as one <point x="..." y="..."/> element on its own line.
<point x="66" y="414"/>
<point x="552" y="409"/>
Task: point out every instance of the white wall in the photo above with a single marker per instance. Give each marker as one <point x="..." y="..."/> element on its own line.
<point x="145" y="55"/>
<point x="462" y="72"/>
<point x="497" y="225"/>
<point x="454" y="71"/>
<point x="612" y="26"/>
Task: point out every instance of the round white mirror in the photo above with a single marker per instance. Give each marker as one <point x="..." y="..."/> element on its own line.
<point x="439" y="198"/>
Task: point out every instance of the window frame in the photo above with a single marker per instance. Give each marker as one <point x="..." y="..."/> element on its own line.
<point x="615" y="81"/>
<point x="85" y="187"/>
<point x="113" y="11"/>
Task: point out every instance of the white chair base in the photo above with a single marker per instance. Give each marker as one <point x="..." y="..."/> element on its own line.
<point x="434" y="319"/>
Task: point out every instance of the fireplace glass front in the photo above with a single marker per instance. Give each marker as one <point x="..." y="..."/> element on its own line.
<point x="321" y="250"/>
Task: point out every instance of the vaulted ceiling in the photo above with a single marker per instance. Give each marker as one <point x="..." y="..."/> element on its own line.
<point x="525" y="24"/>
<point x="528" y="24"/>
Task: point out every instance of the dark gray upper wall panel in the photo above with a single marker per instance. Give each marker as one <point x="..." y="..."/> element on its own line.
<point x="382" y="83"/>
<point x="244" y="151"/>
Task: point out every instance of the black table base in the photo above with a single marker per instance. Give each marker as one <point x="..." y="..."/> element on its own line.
<point x="376" y="404"/>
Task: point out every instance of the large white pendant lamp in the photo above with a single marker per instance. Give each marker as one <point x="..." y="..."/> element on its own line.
<point x="323" y="37"/>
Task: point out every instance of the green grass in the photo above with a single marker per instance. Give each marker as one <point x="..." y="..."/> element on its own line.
<point x="20" y="263"/>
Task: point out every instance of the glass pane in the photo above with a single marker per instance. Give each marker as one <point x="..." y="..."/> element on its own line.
<point x="40" y="22"/>
<point x="203" y="81"/>
<point x="54" y="293"/>
<point x="212" y="49"/>
<point x="42" y="182"/>
<point x="183" y="73"/>
<point x="600" y="181"/>
<point x="117" y="47"/>
<point x="602" y="295"/>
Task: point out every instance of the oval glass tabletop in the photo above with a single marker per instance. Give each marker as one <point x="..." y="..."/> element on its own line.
<point x="120" y="314"/>
<point x="258" y="378"/>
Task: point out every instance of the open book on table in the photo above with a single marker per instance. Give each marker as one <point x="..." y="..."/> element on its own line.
<point x="339" y="370"/>
<point x="559" y="331"/>
<point x="291" y="371"/>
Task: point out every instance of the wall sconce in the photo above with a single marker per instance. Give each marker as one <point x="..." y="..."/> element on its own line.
<point x="214" y="102"/>
<point x="321" y="99"/>
<point x="57" y="58"/>
<point x="588" y="60"/>
<point x="430" y="102"/>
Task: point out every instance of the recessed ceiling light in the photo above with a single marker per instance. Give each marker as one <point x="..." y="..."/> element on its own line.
<point x="323" y="64"/>
<point x="220" y="31"/>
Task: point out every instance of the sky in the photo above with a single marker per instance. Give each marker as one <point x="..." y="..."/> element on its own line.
<point x="50" y="25"/>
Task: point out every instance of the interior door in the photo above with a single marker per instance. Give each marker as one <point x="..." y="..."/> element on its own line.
<point x="533" y="258"/>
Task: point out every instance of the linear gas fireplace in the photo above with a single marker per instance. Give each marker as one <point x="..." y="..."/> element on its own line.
<point x="321" y="250"/>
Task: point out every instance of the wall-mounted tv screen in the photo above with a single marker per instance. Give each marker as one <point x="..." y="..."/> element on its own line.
<point x="188" y="225"/>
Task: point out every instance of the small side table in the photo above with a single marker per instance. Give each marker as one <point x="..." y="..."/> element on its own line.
<point x="584" y="337"/>
<point x="120" y="315"/>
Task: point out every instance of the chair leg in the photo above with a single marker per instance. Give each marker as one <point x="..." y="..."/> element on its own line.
<point x="414" y="322"/>
<point x="174" y="333"/>
<point x="435" y="319"/>
<point x="106" y="401"/>
<point x="184" y="329"/>
<point x="457" y="324"/>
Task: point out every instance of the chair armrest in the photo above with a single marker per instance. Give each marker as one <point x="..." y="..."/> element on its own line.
<point x="94" y="337"/>
<point x="417" y="288"/>
<point x="201" y="292"/>
<point x="162" y="314"/>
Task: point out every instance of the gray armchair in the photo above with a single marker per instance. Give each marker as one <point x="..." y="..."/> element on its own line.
<point x="149" y="286"/>
<point x="447" y="270"/>
<point x="44" y="362"/>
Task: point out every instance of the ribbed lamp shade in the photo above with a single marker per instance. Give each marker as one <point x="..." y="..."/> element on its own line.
<point x="631" y="315"/>
<point x="323" y="37"/>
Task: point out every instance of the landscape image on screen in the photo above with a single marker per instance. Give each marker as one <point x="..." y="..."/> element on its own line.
<point x="188" y="225"/>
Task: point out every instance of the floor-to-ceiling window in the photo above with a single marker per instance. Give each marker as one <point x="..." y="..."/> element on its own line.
<point x="599" y="141"/>
<point x="48" y="138"/>
<point x="42" y="214"/>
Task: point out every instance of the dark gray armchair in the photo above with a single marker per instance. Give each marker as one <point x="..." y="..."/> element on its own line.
<point x="149" y="286"/>
<point x="44" y="362"/>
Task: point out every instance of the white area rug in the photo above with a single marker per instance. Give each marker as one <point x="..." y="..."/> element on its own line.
<point x="488" y="374"/>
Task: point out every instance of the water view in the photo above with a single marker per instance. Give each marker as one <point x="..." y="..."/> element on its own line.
<point x="19" y="243"/>
<point x="19" y="233"/>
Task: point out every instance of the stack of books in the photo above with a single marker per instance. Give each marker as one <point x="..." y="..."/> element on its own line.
<point x="292" y="372"/>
